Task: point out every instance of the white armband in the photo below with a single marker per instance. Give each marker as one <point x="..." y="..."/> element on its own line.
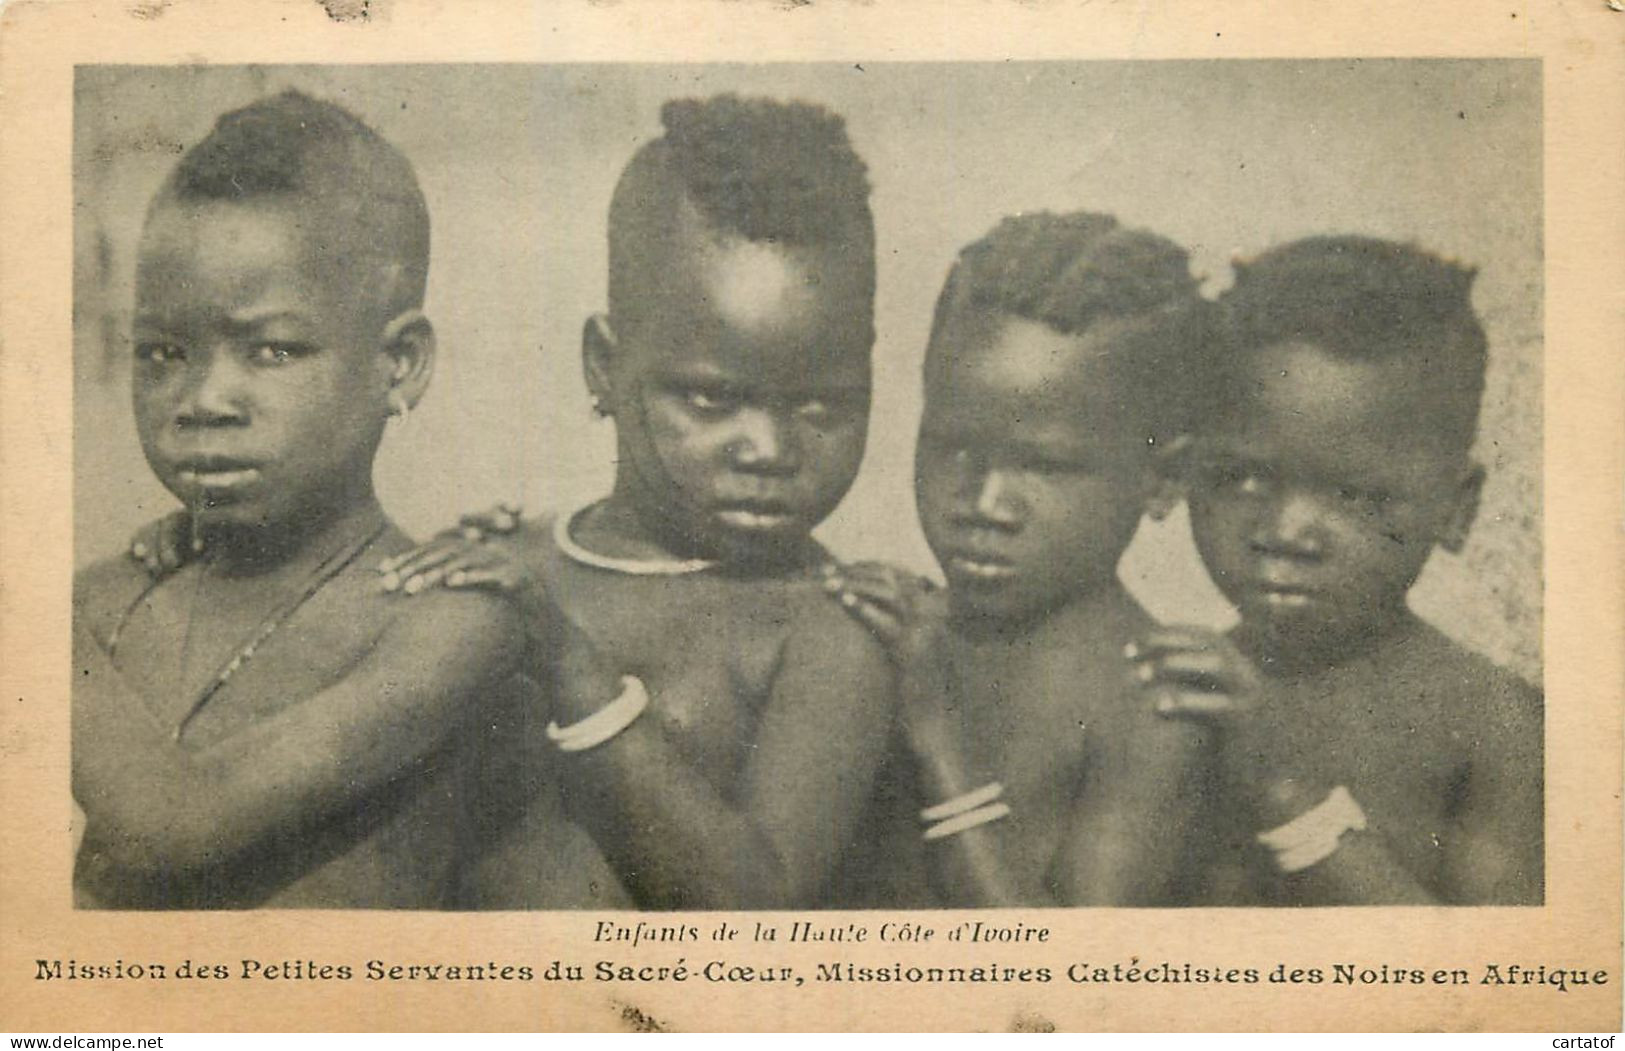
<point x="606" y="722"/>
<point x="1315" y="835"/>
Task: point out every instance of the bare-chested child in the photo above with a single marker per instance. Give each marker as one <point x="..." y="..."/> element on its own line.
<point x="262" y="725"/>
<point x="715" y="722"/>
<point x="1053" y="378"/>
<point x="1366" y="757"/>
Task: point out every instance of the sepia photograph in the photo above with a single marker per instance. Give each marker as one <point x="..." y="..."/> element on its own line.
<point x="615" y="516"/>
<point x="808" y="486"/>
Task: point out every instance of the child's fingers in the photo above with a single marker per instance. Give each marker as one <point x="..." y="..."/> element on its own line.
<point x="144" y="549"/>
<point x="1196" y="704"/>
<point x="1161" y="640"/>
<point x="853" y="593"/>
<point x="880" y="578"/>
<point x="176" y="542"/>
<point x="497" y="577"/>
<point x="476" y="557"/>
<point x="877" y="618"/>
<point x="1208" y="670"/>
<point x="157" y="545"/>
<point x="501" y="519"/>
<point x="421" y="560"/>
<point x="884" y="624"/>
<point x="880" y="573"/>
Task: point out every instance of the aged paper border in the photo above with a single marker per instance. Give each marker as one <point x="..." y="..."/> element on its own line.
<point x="1582" y="43"/>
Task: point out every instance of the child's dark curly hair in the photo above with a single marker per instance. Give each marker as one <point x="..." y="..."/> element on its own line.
<point x="1363" y="298"/>
<point x="1076" y="270"/>
<point x="291" y="146"/>
<point x="756" y="168"/>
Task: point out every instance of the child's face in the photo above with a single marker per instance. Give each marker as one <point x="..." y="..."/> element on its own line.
<point x="741" y="396"/>
<point x="1029" y="475"/>
<point x="1320" y="492"/>
<point x="259" y="382"/>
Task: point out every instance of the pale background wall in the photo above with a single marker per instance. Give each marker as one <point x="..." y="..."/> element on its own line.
<point x="518" y="163"/>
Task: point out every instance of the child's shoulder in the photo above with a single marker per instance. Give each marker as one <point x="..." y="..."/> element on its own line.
<point x="809" y="609"/>
<point x="104" y="589"/>
<point x="1489" y="705"/>
<point x="1453" y="665"/>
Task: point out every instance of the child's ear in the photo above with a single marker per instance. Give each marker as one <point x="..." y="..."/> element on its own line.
<point x="409" y="344"/>
<point x="1453" y="537"/>
<point x="1164" y="474"/>
<point x="599" y="352"/>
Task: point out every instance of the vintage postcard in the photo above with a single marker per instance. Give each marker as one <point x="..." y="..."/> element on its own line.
<point x="811" y="516"/>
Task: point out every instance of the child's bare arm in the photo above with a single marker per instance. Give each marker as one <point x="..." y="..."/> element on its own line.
<point x="1199" y="676"/>
<point x="1496" y="856"/>
<point x="158" y="809"/>
<point x="679" y="841"/>
<point x="909" y="616"/>
<point x="1141" y="814"/>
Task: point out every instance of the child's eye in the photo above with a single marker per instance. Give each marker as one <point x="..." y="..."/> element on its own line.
<point x="1238" y="478"/>
<point x="826" y="412"/>
<point x="1052" y="466"/>
<point x="711" y="403"/>
<point x="157" y="352"/>
<point x="1372" y="497"/>
<point x="273" y="352"/>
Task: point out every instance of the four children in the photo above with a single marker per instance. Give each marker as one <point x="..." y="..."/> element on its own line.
<point x="281" y="701"/>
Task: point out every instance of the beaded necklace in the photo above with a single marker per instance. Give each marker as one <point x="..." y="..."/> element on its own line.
<point x="325" y="571"/>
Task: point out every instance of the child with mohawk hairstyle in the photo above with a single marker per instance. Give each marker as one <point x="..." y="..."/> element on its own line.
<point x="258" y="723"/>
<point x="1057" y="371"/>
<point x="1366" y="758"/>
<point x="715" y="723"/>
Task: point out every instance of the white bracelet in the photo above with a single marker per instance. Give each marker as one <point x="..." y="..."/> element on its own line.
<point x="606" y="722"/>
<point x="1315" y="835"/>
<point x="961" y="803"/>
<point x="970" y="819"/>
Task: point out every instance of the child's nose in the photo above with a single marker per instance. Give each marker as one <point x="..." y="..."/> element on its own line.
<point x="215" y="394"/>
<point x="992" y="499"/>
<point x="1293" y="526"/>
<point x="765" y="442"/>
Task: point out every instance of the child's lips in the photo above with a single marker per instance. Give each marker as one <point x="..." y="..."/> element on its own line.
<point x="757" y="518"/>
<point x="978" y="567"/>
<point x="1286" y="597"/>
<point x="217" y="475"/>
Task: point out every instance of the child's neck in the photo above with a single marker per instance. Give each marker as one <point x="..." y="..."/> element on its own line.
<point x="619" y="527"/>
<point x="1280" y="659"/>
<point x="231" y="550"/>
<point x="1105" y="602"/>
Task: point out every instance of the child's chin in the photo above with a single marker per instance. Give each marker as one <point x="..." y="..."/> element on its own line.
<point x="1295" y="644"/>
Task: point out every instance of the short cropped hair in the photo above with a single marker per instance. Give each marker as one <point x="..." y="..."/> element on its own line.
<point x="1072" y="271"/>
<point x="756" y="168"/>
<point x="1364" y="298"/>
<point x="296" y="148"/>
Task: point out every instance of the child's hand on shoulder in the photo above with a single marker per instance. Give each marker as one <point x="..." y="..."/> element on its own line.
<point x="1200" y="676"/>
<point x="164" y="545"/>
<point x="493" y="550"/>
<point x="908" y="613"/>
